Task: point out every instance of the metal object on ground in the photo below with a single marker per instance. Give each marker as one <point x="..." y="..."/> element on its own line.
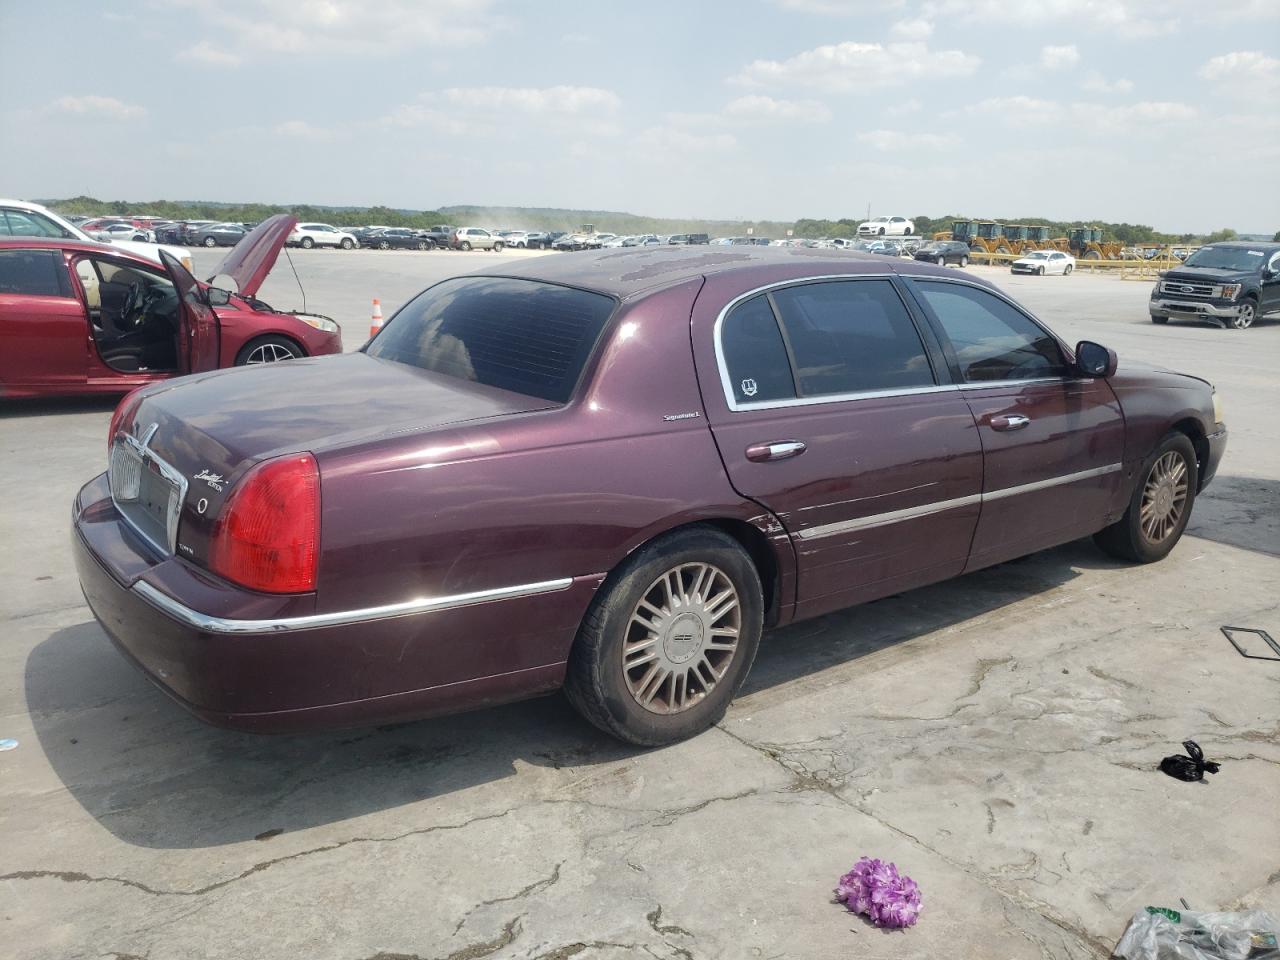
<point x="1230" y="632"/>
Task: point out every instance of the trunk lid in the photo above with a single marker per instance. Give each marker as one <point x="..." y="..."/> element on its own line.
<point x="252" y="258"/>
<point x="204" y="432"/>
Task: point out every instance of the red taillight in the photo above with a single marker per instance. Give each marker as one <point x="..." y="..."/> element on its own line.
<point x="125" y="407"/>
<point x="267" y="536"/>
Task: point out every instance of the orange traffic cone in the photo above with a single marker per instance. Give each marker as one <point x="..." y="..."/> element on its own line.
<point x="376" y="323"/>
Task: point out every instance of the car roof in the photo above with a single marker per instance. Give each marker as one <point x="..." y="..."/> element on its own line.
<point x="626" y="272"/>
<point x="79" y="246"/>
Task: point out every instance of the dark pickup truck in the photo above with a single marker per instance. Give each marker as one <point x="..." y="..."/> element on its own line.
<point x="441" y="235"/>
<point x="1230" y="284"/>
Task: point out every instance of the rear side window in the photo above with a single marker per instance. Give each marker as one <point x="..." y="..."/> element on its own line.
<point x="33" y="273"/>
<point x="21" y="223"/>
<point x="851" y="337"/>
<point x="754" y="355"/>
<point x="992" y="340"/>
<point x="520" y="335"/>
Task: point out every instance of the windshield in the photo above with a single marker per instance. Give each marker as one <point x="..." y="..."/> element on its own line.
<point x="1226" y="258"/>
<point x="519" y="335"/>
<point x="1038" y="255"/>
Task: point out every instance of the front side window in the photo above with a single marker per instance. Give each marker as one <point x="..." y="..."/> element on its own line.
<point x="851" y="337"/>
<point x="992" y="340"/>
<point x="523" y="336"/>
<point x="755" y="356"/>
<point x="33" y="273"/>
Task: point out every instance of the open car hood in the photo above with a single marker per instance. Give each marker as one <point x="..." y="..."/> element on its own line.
<point x="252" y="258"/>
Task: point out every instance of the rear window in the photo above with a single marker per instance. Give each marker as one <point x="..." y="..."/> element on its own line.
<point x="524" y="336"/>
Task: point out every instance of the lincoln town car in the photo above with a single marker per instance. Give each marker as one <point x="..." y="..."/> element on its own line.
<point x="609" y="472"/>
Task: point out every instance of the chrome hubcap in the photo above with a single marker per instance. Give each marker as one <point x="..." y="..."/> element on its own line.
<point x="1164" y="497"/>
<point x="1244" y="319"/>
<point x="269" y="353"/>
<point x="681" y="638"/>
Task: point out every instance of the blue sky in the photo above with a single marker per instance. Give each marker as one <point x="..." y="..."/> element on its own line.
<point x="1161" y="113"/>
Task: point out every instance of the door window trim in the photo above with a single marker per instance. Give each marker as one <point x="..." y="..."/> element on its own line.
<point x="726" y="381"/>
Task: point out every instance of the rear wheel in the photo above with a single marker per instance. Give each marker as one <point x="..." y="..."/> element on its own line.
<point x="1248" y="312"/>
<point x="268" y="349"/>
<point x="669" y="639"/>
<point x="1160" y="506"/>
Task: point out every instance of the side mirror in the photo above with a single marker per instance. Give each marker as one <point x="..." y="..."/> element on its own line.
<point x="218" y="297"/>
<point x="1095" y="360"/>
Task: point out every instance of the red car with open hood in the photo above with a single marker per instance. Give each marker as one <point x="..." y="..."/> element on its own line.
<point x="78" y="317"/>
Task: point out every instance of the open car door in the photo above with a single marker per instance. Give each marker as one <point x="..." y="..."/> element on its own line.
<point x="198" y="329"/>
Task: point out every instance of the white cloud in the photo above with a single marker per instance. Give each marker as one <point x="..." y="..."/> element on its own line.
<point x="205" y="52"/>
<point x="1018" y="110"/>
<point x="302" y="130"/>
<point x="1059" y="58"/>
<point x="767" y="108"/>
<point x="663" y="139"/>
<point x="1250" y="71"/>
<point x="905" y="107"/>
<point x="901" y="140"/>
<point x="1146" y="115"/>
<point x="562" y="99"/>
<point x="1130" y="18"/>
<point x="1095" y="82"/>
<point x="348" y="26"/>
<point x="102" y="108"/>
<point x="916" y="29"/>
<point x="853" y="66"/>
<point x="840" y="8"/>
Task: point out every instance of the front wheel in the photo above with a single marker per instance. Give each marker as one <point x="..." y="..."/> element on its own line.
<point x="1160" y="506"/>
<point x="497" y="247"/>
<point x="942" y="261"/>
<point x="1040" y="271"/>
<point x="307" y="243"/>
<point x="421" y="245"/>
<point x="668" y="640"/>
<point x="1066" y="271"/>
<point x="1244" y="319"/>
<point x="347" y="244"/>
<point x="269" y="349"/>
<point x="210" y="242"/>
<point x="1160" y="320"/>
<point x="465" y="245"/>
<point x="964" y="261"/>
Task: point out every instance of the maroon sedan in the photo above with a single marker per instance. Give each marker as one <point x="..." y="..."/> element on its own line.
<point x="79" y="317"/>
<point x="610" y="471"/>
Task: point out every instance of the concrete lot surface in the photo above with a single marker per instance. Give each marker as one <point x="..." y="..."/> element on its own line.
<point x="996" y="736"/>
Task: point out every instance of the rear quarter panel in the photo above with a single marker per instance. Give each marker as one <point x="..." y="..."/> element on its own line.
<point x="539" y="496"/>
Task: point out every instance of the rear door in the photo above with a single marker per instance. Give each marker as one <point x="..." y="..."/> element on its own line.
<point x="198" y="332"/>
<point x="823" y="401"/>
<point x="1053" y="442"/>
<point x="44" y="336"/>
<point x="1270" y="302"/>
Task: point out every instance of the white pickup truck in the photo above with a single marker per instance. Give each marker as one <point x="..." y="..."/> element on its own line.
<point x="18" y="218"/>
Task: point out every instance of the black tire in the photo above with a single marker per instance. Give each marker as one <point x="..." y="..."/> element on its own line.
<point x="269" y="340"/>
<point x="1248" y="314"/>
<point x="942" y="261"/>
<point x="210" y="242"/>
<point x="497" y="247"/>
<point x="420" y="245"/>
<point x="1040" y="271"/>
<point x="882" y="231"/>
<point x="347" y="244"/>
<point x="1160" y="320"/>
<point x="1125" y="539"/>
<point x="383" y="245"/>
<point x="595" y="683"/>
<point x="307" y="243"/>
<point x="1067" y="270"/>
<point x="465" y="245"/>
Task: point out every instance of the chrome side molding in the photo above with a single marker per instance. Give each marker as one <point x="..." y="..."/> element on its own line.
<point x="211" y="624"/>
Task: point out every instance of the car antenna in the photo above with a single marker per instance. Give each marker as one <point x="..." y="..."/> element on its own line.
<point x="299" y="279"/>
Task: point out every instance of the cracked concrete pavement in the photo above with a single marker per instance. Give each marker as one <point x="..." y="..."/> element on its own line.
<point x="996" y="736"/>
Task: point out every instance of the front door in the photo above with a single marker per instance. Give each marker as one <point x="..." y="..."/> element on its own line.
<point x="198" y="349"/>
<point x="43" y="335"/>
<point x="1269" y="304"/>
<point x="824" y="404"/>
<point x="1053" y="442"/>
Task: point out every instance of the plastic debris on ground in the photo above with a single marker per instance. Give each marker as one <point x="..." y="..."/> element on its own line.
<point x="8" y="745"/>
<point x="876" y="890"/>
<point x="1158" y="933"/>
<point x="1190" y="768"/>
<point x="1246" y="641"/>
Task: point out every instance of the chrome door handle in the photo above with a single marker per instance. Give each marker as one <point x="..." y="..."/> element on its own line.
<point x="1009" y="421"/>
<point x="775" y="450"/>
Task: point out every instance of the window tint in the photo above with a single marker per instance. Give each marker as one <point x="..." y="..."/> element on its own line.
<point x="992" y="340"/>
<point x="21" y="223"/>
<point x="519" y="335"/>
<point x="33" y="273"/>
<point x="851" y="337"/>
<point x="755" y="355"/>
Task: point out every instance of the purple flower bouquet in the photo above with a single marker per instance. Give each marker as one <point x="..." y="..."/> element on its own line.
<point x="876" y="889"/>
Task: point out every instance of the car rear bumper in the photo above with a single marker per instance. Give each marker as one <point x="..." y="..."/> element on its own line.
<point x="1193" y="308"/>
<point x="280" y="666"/>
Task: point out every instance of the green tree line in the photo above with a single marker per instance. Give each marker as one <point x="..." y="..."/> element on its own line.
<point x="554" y="218"/>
